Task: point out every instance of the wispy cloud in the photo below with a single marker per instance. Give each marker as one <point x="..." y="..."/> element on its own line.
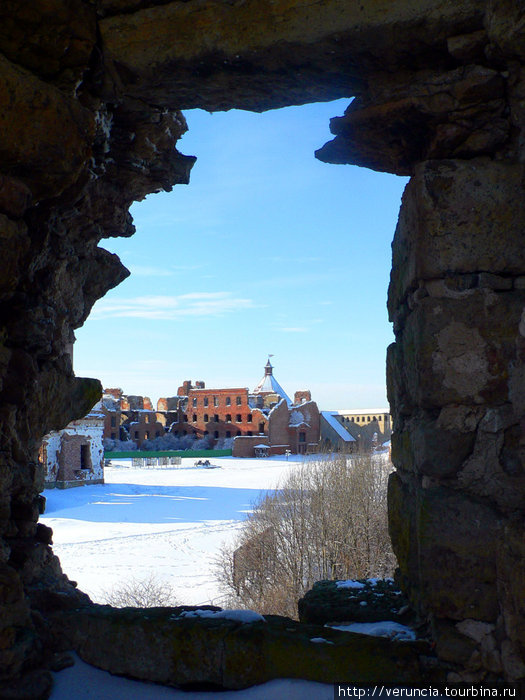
<point x="167" y="308"/>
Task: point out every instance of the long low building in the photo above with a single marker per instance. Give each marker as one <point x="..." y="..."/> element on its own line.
<point x="356" y="429"/>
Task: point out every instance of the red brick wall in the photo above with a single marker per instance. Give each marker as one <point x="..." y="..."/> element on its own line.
<point x="302" y="396"/>
<point x="69" y="457"/>
<point x="222" y="417"/>
<point x="244" y="446"/>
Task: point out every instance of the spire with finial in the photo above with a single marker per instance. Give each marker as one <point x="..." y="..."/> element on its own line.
<point x="269" y="385"/>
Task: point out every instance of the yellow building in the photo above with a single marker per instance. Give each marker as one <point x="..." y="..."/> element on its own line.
<point x="362" y="417"/>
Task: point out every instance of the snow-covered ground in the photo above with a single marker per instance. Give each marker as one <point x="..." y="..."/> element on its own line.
<point x="170" y="522"/>
<point x="84" y="682"/>
<point x="167" y="522"/>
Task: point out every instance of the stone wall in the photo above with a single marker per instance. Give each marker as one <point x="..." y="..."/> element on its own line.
<point x="89" y="123"/>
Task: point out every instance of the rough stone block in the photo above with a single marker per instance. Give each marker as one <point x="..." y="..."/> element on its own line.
<point x="458" y="217"/>
<point x="162" y="645"/>
<point x="49" y="152"/>
<point x="446" y="549"/>
<point x="454" y="352"/>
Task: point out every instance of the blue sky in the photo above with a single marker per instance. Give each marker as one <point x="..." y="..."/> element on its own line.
<point x="267" y="251"/>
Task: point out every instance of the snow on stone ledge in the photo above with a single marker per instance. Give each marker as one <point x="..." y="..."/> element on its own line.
<point x="349" y="584"/>
<point x="244" y="616"/>
<point x="386" y="628"/>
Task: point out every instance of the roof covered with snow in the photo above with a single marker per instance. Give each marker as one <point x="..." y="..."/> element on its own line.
<point x="330" y="418"/>
<point x="269" y="384"/>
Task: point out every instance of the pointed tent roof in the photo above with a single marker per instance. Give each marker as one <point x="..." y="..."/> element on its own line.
<point x="270" y="385"/>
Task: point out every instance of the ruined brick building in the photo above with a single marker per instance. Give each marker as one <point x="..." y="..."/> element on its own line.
<point x="74" y="456"/>
<point x="265" y="416"/>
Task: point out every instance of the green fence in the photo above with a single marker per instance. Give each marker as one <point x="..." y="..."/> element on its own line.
<point x="172" y="453"/>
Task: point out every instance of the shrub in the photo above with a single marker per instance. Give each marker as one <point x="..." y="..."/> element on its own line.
<point x="118" y="445"/>
<point x="149" y="592"/>
<point x="328" y="520"/>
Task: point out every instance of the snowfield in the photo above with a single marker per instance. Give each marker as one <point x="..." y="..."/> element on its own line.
<point x="169" y="522"/>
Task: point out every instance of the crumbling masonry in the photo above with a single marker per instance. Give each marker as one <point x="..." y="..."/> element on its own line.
<point x="89" y="120"/>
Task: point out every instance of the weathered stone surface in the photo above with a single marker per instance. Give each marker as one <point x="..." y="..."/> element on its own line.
<point x="458" y="113"/>
<point x="45" y="158"/>
<point x="457" y="218"/>
<point x="376" y="601"/>
<point x="161" y="645"/>
<point x="269" y="55"/>
<point x="451" y="542"/>
<point x="454" y="353"/>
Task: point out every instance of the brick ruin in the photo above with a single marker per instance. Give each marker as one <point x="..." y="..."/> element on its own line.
<point x="219" y="417"/>
<point x="91" y="98"/>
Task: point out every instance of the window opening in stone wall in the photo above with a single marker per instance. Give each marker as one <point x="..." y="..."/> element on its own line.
<point x="249" y="262"/>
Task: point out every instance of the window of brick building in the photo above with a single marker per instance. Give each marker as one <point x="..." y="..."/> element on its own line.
<point x="238" y="418"/>
<point x="228" y="401"/>
<point x="238" y="400"/>
<point x="194" y="418"/>
<point x="215" y="401"/>
<point x="205" y="400"/>
<point x="113" y="421"/>
<point x="146" y="435"/>
<point x="228" y="434"/>
<point x="194" y="402"/>
<point x="136" y="434"/>
<point x="216" y="418"/>
<point x="238" y="433"/>
<point x="249" y="417"/>
<point x="185" y="418"/>
<point x="249" y="433"/>
<point x="228" y="418"/>
<point x="216" y="434"/>
<point x="302" y="437"/>
<point x="261" y="427"/>
<point x="206" y="418"/>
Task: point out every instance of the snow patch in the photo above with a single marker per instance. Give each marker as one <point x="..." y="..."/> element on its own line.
<point x="244" y="616"/>
<point x="387" y="628"/>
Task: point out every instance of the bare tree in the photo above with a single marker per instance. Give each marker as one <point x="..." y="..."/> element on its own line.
<point x="327" y="520"/>
<point x="149" y="592"/>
